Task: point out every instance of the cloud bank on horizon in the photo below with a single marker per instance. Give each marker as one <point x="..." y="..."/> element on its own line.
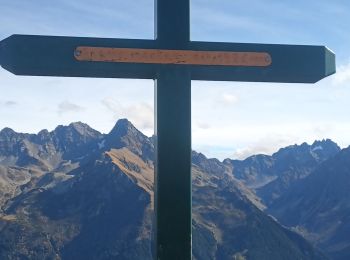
<point x="229" y="119"/>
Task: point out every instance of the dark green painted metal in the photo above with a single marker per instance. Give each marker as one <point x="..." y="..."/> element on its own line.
<point x="172" y="23"/>
<point x="173" y="134"/>
<point x="173" y="163"/>
<point x="53" y="56"/>
<point x="290" y="63"/>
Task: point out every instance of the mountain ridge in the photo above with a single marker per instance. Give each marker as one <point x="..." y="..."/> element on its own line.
<point x="96" y="203"/>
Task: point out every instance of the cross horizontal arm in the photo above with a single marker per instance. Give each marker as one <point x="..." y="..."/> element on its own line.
<point x="289" y="63"/>
<point x="56" y="56"/>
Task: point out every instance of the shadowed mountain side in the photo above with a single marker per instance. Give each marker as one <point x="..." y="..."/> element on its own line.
<point x="98" y="215"/>
<point x="227" y="225"/>
<point x="294" y="163"/>
<point x="319" y="206"/>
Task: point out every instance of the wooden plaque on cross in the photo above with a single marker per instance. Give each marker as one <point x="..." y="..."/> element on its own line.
<point x="172" y="60"/>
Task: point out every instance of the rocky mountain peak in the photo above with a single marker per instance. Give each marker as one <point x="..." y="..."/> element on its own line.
<point x="43" y="135"/>
<point x="210" y="165"/>
<point x="11" y="137"/>
<point x="318" y="151"/>
<point x="198" y="158"/>
<point x="324" y="142"/>
<point x="77" y="129"/>
<point x="325" y="148"/>
<point x="84" y="129"/>
<point x="304" y="147"/>
<point x="7" y="132"/>
<point x="124" y="127"/>
<point x="125" y="134"/>
<point x="74" y="136"/>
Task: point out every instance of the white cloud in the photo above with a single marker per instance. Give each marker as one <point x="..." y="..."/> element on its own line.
<point x="268" y="145"/>
<point x="68" y="107"/>
<point x="229" y="99"/>
<point x="343" y="75"/>
<point x="112" y="105"/>
<point x="202" y="125"/>
<point x="10" y="103"/>
<point x="241" y="141"/>
<point x="323" y="129"/>
<point x="140" y="114"/>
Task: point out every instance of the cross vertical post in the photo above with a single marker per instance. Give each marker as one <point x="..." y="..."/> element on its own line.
<point x="173" y="134"/>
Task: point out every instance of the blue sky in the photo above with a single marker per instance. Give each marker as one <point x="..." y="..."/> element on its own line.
<point x="230" y="119"/>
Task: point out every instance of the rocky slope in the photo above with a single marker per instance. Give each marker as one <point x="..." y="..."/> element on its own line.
<point x="74" y="193"/>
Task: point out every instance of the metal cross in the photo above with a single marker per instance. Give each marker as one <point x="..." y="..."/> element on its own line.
<point x="172" y="60"/>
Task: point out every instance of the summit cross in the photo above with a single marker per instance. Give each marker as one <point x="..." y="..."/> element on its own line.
<point x="172" y="60"/>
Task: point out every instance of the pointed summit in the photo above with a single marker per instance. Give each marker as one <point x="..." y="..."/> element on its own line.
<point x="125" y="134"/>
<point x="123" y="127"/>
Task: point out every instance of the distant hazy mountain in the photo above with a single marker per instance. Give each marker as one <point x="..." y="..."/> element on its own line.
<point x="75" y="193"/>
<point x="307" y="188"/>
<point x="271" y="176"/>
<point x="319" y="206"/>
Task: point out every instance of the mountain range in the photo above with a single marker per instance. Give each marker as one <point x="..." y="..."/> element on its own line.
<point x="74" y="193"/>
